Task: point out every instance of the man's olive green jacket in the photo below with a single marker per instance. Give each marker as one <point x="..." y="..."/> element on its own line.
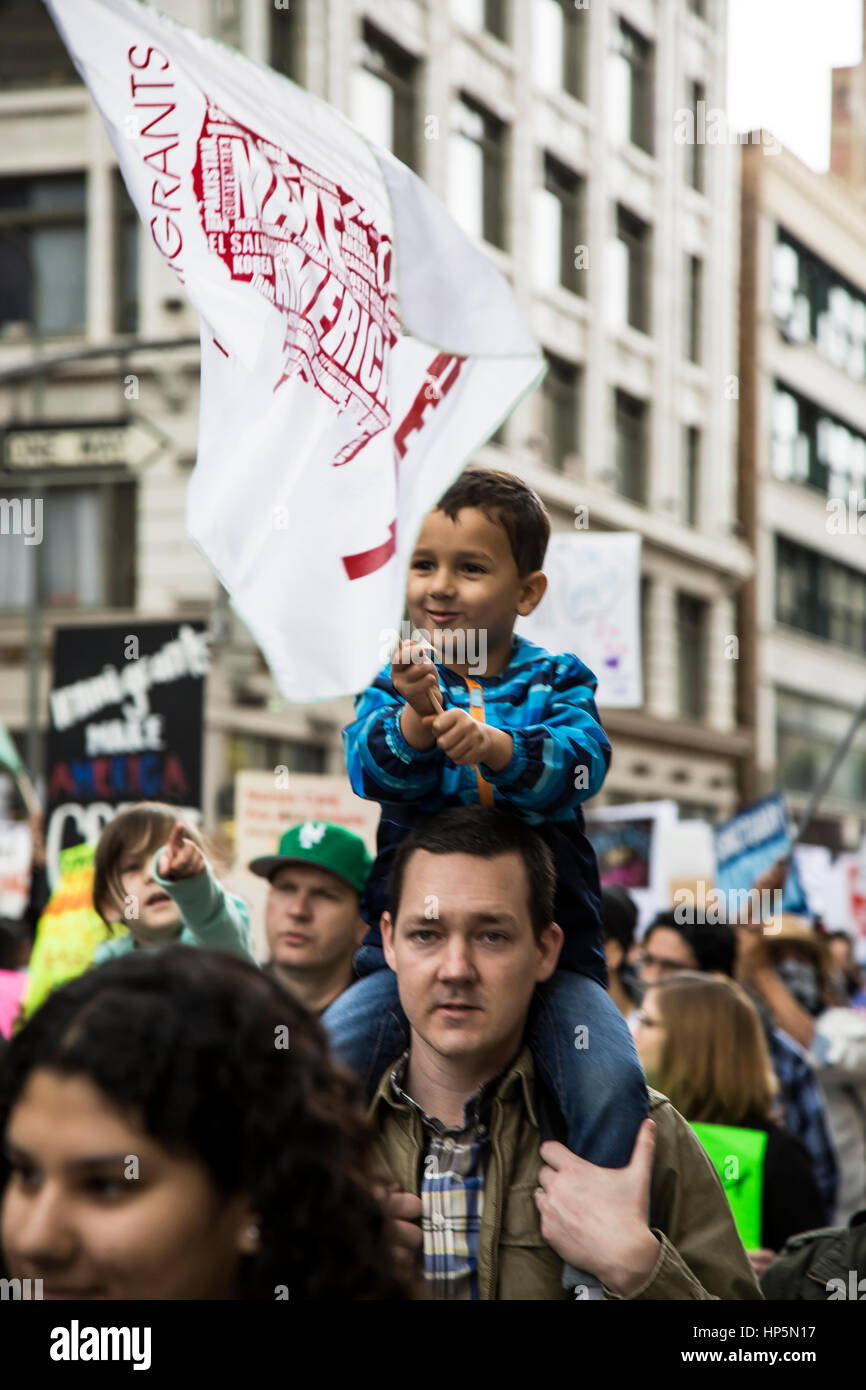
<point x="702" y="1256"/>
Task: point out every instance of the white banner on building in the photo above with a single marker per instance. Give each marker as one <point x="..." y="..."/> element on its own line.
<point x="357" y="348"/>
<point x="592" y="608"/>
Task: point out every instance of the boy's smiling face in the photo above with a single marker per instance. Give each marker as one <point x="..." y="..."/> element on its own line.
<point x="463" y="577"/>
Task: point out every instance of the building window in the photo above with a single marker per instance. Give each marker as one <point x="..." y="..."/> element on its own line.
<point x="820" y="597"/>
<point x="630" y="101"/>
<point x="814" y="448"/>
<point x="476" y="172"/>
<point x="478" y="15"/>
<point x="286" y="41"/>
<point x="693" y="151"/>
<point x="691" y="656"/>
<point x="383" y="95"/>
<point x="644" y="618"/>
<point x="89" y="559"/>
<point x="628" y="273"/>
<point x="807" y="734"/>
<point x="631" y="446"/>
<point x="560" y="406"/>
<point x="43" y="258"/>
<point x="558" y="42"/>
<point x="790" y="302"/>
<point x="32" y="53"/>
<point x="698" y="7"/>
<point x="791" y="450"/>
<point x="692" y="325"/>
<point x="690" y="493"/>
<point x="252" y="752"/>
<point x="126" y="224"/>
<point x="557" y="229"/>
<point x="811" y="301"/>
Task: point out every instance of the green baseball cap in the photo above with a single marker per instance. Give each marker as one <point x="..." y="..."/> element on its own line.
<point x="324" y="845"/>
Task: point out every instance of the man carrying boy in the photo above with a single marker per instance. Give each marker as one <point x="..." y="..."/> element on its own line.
<point x="522" y="734"/>
<point x="487" y="1202"/>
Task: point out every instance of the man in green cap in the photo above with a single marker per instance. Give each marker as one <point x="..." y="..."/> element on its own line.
<point x="312" y="919"/>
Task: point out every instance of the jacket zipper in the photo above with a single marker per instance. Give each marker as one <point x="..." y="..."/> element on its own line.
<point x="495" y="1138"/>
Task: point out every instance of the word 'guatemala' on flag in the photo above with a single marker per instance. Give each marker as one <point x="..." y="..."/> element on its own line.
<point x="357" y="348"/>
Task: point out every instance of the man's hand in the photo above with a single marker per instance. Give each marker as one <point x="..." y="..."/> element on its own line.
<point x="181" y="857"/>
<point x="760" y="1260"/>
<point x="773" y="878"/>
<point x="597" y="1219"/>
<point x="414" y="679"/>
<point x="404" y="1212"/>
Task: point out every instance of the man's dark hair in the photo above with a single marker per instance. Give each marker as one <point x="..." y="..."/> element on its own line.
<point x="507" y="501"/>
<point x="487" y="833"/>
<point x="713" y="944"/>
<point x="618" y="917"/>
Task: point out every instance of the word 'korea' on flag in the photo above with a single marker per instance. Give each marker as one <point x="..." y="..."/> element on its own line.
<point x="357" y="348"/>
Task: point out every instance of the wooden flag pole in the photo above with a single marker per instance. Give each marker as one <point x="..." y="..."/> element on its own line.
<point x="28" y="792"/>
<point x="437" y="704"/>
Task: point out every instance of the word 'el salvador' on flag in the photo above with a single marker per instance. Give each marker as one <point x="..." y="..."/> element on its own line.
<point x="357" y="348"/>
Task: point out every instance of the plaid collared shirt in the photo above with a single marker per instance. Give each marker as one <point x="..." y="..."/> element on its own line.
<point x="805" y="1113"/>
<point x="452" y="1190"/>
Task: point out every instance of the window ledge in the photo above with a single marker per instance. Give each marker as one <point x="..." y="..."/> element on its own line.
<point x="563" y="300"/>
<point x="566" y="104"/>
<point x="826" y="643"/>
<point x="30" y="101"/>
<point x="497" y="50"/>
<point x="694" y="372"/>
<point x="642" y="163"/>
<point x="697" y="198"/>
<point x="635" y="340"/>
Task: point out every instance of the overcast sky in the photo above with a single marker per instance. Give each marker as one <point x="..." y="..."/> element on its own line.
<point x="780" y="53"/>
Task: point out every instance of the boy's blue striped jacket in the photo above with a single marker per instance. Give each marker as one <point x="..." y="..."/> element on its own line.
<point x="561" y="757"/>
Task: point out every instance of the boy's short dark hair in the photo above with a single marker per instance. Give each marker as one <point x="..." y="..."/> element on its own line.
<point x="143" y="828"/>
<point x="486" y="832"/>
<point x="506" y="500"/>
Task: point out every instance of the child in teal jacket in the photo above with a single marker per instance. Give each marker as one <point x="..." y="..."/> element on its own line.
<point x="151" y="873"/>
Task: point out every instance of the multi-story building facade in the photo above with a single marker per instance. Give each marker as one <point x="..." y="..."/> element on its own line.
<point x="803" y="479"/>
<point x="570" y="139"/>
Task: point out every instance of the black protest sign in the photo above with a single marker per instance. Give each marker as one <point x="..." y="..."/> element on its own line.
<point x="125" y="724"/>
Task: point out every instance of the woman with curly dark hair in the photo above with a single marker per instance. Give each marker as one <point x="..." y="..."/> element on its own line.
<point x="173" y="1127"/>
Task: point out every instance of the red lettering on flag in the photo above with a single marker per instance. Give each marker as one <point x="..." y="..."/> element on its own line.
<point x="441" y="376"/>
<point x="367" y="561"/>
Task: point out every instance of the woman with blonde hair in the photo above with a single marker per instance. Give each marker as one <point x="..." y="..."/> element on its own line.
<point x="701" y="1042"/>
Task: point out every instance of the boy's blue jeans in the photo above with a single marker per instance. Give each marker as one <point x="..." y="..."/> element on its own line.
<point x="581" y="1046"/>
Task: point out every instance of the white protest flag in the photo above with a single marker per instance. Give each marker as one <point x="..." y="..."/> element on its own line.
<point x="357" y="348"/>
